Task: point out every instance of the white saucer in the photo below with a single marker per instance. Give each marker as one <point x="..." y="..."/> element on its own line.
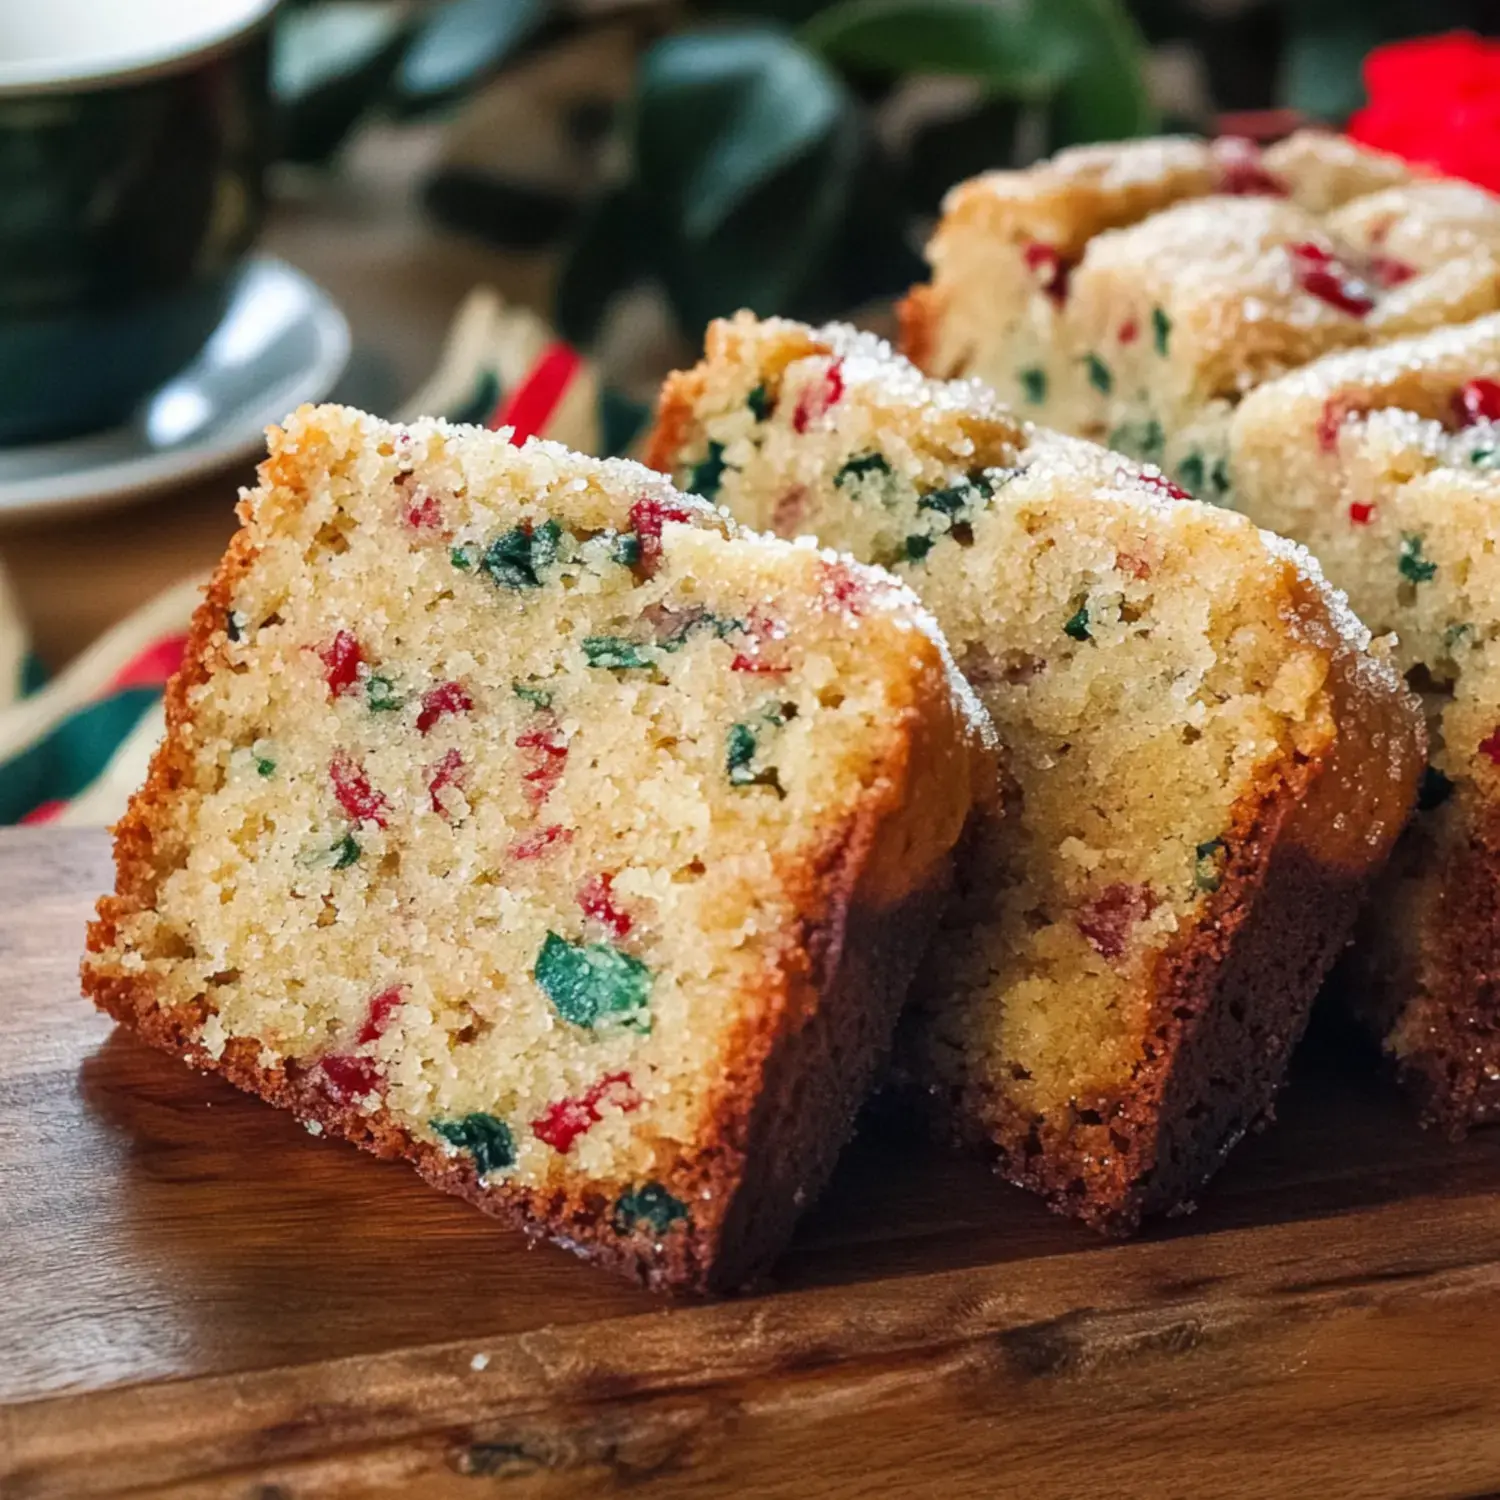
<point x="282" y="342"/>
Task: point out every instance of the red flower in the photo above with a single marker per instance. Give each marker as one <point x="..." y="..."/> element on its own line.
<point x="1436" y="101"/>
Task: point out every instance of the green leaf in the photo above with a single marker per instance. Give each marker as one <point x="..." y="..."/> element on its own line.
<point x="718" y="113"/>
<point x="594" y="983"/>
<point x="1320" y="65"/>
<point x="611" y="250"/>
<point x="1105" y="98"/>
<point x="1015" y="52"/>
<point x="487" y="1139"/>
<point x="329" y="65"/>
<point x="458" y="44"/>
<point x="514" y="215"/>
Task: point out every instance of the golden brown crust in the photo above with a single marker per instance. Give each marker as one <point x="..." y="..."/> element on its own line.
<point x="1233" y="994"/>
<point x="917" y="317"/>
<point x="794" y="1075"/>
<point x="1439" y="1017"/>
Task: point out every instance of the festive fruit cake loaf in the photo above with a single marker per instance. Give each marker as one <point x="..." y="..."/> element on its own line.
<point x="1210" y="760"/>
<point x="1159" y="326"/>
<point x="522" y="818"/>
<point x="1387" y="463"/>
<point x="1009" y="244"/>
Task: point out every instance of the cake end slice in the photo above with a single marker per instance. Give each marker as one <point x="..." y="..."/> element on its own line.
<point x="520" y="817"/>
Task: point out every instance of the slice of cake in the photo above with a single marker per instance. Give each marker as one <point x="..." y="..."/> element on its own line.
<point x="1170" y="314"/>
<point x="1210" y="760"/>
<point x="1387" y="464"/>
<point x="520" y="817"/>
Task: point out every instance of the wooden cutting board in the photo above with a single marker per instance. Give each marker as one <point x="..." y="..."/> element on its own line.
<point x="199" y="1299"/>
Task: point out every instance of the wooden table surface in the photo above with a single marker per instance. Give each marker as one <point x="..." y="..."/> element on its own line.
<point x="197" y="1298"/>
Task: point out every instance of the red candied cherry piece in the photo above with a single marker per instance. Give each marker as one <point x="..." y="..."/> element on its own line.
<point x="1478" y="401"/>
<point x="647" y="517"/>
<point x="534" y="845"/>
<point x="1321" y="276"/>
<point x="379" y="1012"/>
<point x="341" y="659"/>
<point x="843" y="589"/>
<point x="355" y="794"/>
<point x="1389" y="271"/>
<point x="348" y="1078"/>
<point x="761" y="631"/>
<point x="1052" y="271"/>
<point x="596" y="899"/>
<point x="1164" y="486"/>
<point x="445" y="698"/>
<point x="1490" y="747"/>
<point x="562" y="1123"/>
<point x="1241" y="171"/>
<point x="1107" y="919"/>
<point x="1331" y="420"/>
<point x="549" y="754"/>
<point x="817" y="399"/>
<point x="1130" y="331"/>
<point x="1361" y="512"/>
<point x="449" y="771"/>
<point x="424" y="513"/>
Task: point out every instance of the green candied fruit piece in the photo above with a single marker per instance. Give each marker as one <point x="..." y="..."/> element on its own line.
<point x="593" y="984"/>
<point x="1208" y="865"/>
<point x="705" y="477"/>
<point x="916" y="547"/>
<point x="1034" y="385"/>
<point x="1409" y="561"/>
<point x="515" y="559"/>
<point x="1099" y="376"/>
<point x="1078" y="625"/>
<point x="627" y="550"/>
<point x="1487" y="457"/>
<point x="650" y="1204"/>
<point x="1140" y="439"/>
<point x="264" y="766"/>
<point x="536" y="697"/>
<point x="614" y="653"/>
<point x="693" y="623"/>
<point x="760" y="403"/>
<point x="485" y="1138"/>
<point x="464" y="557"/>
<point x="1219" y="478"/>
<point x="381" y="695"/>
<point x="740" y="749"/>
<point x="345" y="852"/>
<point x="1190" y="471"/>
<point x="859" y="466"/>
<point x="1161" y="330"/>
<point x="1433" y="790"/>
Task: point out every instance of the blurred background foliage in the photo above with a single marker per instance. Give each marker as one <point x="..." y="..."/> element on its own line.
<point x="787" y="155"/>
